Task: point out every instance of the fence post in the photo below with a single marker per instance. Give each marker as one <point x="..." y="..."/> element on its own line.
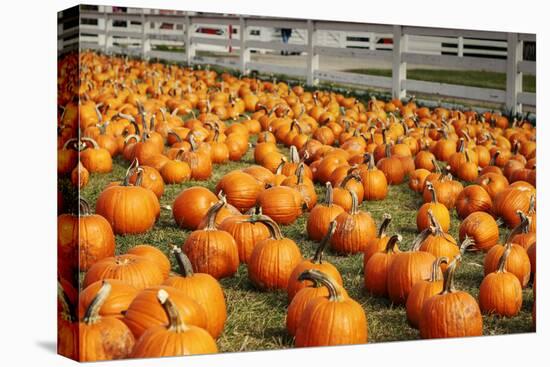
<point x="244" y="52"/>
<point x="514" y="78"/>
<point x="460" y="50"/>
<point x="108" y="22"/>
<point x="145" y="43"/>
<point x="399" y="69"/>
<point x="189" y="46"/>
<point x="312" y="57"/>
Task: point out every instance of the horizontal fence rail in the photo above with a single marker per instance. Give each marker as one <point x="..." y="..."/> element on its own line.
<point x="177" y="36"/>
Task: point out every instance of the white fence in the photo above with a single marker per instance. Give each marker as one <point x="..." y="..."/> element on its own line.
<point x="178" y="36"/>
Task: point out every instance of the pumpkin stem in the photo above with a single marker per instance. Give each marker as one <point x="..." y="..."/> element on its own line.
<point x="431" y="188"/>
<point x="384" y="225"/>
<point x="184" y="265"/>
<point x="83" y="207"/>
<point x="294" y="156"/>
<point x="318" y="257"/>
<point x="348" y="177"/>
<point x="354" y="203"/>
<point x="94" y="143"/>
<point x="422" y="236"/>
<point x="435" y="276"/>
<point x="274" y="230"/>
<point x="334" y="290"/>
<point x="493" y="161"/>
<point x="434" y="223"/>
<point x="70" y="141"/>
<point x="213" y="212"/>
<point x="448" y="278"/>
<point x="467" y="242"/>
<point x="192" y="142"/>
<point x="328" y="194"/>
<point x="131" y="136"/>
<point x="392" y="243"/>
<point x="522" y="227"/>
<point x="279" y="169"/>
<point x="502" y="261"/>
<point x="68" y="310"/>
<point x="92" y="312"/>
<point x="175" y="322"/>
<point x="388" y="150"/>
<point x="369" y="158"/>
<point x="532" y="202"/>
<point x="461" y="144"/>
<point x="178" y="138"/>
<point x="300" y="173"/>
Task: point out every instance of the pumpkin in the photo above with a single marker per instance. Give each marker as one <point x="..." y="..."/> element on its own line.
<point x="240" y="188"/>
<point x="262" y="174"/>
<point x="130" y="209"/>
<point x="199" y="161"/>
<point x="103" y="338"/>
<point x="151" y="178"/>
<point x="80" y="176"/>
<point x="145" y="311"/>
<point x="67" y="327"/>
<point x="155" y="255"/>
<point x="375" y="184"/>
<point x="417" y="179"/>
<point x="435" y="241"/>
<point x="517" y="262"/>
<point x="405" y="269"/>
<point x="378" y="244"/>
<point x="322" y="215"/>
<point x="135" y="270"/>
<point x="281" y="203"/>
<point x="245" y="233"/>
<point x="439" y="211"/>
<point x="376" y="267"/>
<point x="115" y="305"/>
<point x="299" y="302"/>
<point x="331" y="320"/>
<point x="176" y="171"/>
<point x="212" y="251"/>
<point x="482" y="228"/>
<point x="303" y="185"/>
<point x="500" y="291"/>
<point x="191" y="205"/>
<point x="273" y="259"/>
<point x="204" y="289"/>
<point x="493" y="183"/>
<point x="353" y="230"/>
<point x="67" y="157"/>
<point x="174" y="339"/>
<point x="473" y="198"/>
<point x="508" y="202"/>
<point x="95" y="159"/>
<point x="316" y="262"/>
<point x="423" y="290"/>
<point x="451" y="313"/>
<point x="392" y="167"/>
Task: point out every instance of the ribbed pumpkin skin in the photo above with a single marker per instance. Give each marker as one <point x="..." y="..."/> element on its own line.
<point x="240" y="188"/>
<point x="319" y="220"/>
<point x="405" y="270"/>
<point x="207" y="292"/>
<point x="117" y="303"/>
<point x="129" y="209"/>
<point x="420" y="292"/>
<point x="482" y="227"/>
<point x="160" y="342"/>
<point x="191" y="205"/>
<point x="325" y="323"/>
<point x="376" y="273"/>
<point x="282" y="204"/>
<point x="443" y="245"/>
<point x="440" y="212"/>
<point x="132" y="269"/>
<point x="517" y="263"/>
<point x="152" y="180"/>
<point x="451" y="315"/>
<point x="155" y="255"/>
<point x="145" y="311"/>
<point x="246" y="235"/>
<point x="500" y="293"/>
<point x="105" y="340"/>
<point x="375" y="184"/>
<point x="212" y="252"/>
<point x="272" y="262"/>
<point x="353" y="232"/>
<point x="508" y="202"/>
<point x="298" y="305"/>
<point x="472" y="199"/>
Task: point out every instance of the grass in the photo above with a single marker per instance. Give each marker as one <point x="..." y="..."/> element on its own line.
<point x="482" y="79"/>
<point x="256" y="320"/>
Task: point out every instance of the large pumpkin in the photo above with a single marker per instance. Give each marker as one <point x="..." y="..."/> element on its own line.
<point x="191" y="205"/>
<point x="240" y="188"/>
<point x="115" y="305"/>
<point x="281" y="203"/>
<point x="482" y="227"/>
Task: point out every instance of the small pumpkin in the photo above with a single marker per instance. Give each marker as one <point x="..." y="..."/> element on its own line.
<point x="378" y="244"/>
<point x="332" y="320"/>
<point x="500" y="291"/>
<point x="174" y="339"/>
<point x="322" y="215"/>
<point x="281" y="203"/>
<point x="211" y="250"/>
<point x="191" y="205"/>
<point x="273" y="259"/>
<point x="438" y="243"/>
<point x="451" y="313"/>
<point x="439" y="211"/>
<point x="375" y="184"/>
<point x="240" y="188"/>
<point x="377" y="265"/>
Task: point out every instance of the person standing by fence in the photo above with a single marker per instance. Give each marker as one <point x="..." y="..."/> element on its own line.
<point x="286" y="33"/>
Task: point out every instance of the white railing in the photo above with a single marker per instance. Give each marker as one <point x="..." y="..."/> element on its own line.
<point x="184" y="34"/>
